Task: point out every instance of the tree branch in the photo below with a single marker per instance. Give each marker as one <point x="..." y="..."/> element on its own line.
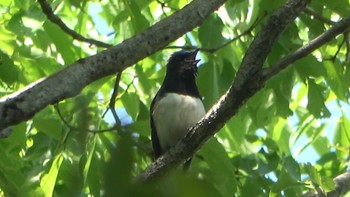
<point x="210" y="124"/>
<point x="68" y="82"/>
<point x="303" y="51"/>
<point x="342" y="185"/>
<point x="113" y="99"/>
<point x="71" y="127"/>
<point x="212" y="50"/>
<point x="55" y="19"/>
<point x="318" y="16"/>
<point x="248" y="81"/>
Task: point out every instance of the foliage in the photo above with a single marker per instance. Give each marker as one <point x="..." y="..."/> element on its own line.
<point x="64" y="150"/>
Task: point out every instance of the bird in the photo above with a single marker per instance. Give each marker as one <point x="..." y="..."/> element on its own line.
<point x="177" y="105"/>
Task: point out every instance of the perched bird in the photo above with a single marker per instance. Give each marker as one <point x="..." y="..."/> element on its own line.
<point x="177" y="106"/>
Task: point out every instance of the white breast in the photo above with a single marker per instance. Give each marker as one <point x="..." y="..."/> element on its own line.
<point x="173" y="115"/>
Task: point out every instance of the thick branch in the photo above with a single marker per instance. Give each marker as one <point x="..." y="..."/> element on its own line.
<point x="247" y="82"/>
<point x="22" y="105"/>
<point x="55" y="19"/>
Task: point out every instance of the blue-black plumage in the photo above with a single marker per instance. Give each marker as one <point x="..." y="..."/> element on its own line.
<point x="177" y="106"/>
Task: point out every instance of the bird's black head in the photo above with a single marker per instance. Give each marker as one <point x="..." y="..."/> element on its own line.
<point x="183" y="64"/>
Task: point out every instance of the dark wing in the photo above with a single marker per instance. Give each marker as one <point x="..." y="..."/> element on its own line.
<point x="155" y="141"/>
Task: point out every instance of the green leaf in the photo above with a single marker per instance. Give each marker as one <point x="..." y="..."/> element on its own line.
<point x="315" y="177"/>
<point x="319" y="141"/>
<point x="328" y="184"/>
<point x="252" y="188"/>
<point x="22" y="4"/>
<point x="16" y="25"/>
<point x="49" y="126"/>
<point x="282" y="86"/>
<point x="221" y="170"/>
<point x="8" y="71"/>
<point x="62" y="41"/>
<point x="261" y="108"/>
<point x="316" y="101"/>
<point x="131" y="103"/>
<point x="280" y="132"/>
<point x="208" y="82"/>
<point x="91" y="150"/>
<point x="119" y="169"/>
<point x="342" y="132"/>
<point x="139" y="22"/>
<point x="34" y="18"/>
<point x="288" y="177"/>
<point x="48" y="180"/>
<point x="309" y="67"/>
<point x="315" y="137"/>
<point x="341" y="7"/>
<point x="234" y="134"/>
<point x="6" y="2"/>
<point x="120" y="17"/>
<point x="11" y="174"/>
<point x="210" y="33"/>
<point x="335" y="79"/>
<point x="292" y="167"/>
<point x="17" y="140"/>
<point x="140" y="127"/>
<point x="316" y="27"/>
<point x="94" y="177"/>
<point x="268" y="161"/>
<point x="179" y="185"/>
<point x="42" y="41"/>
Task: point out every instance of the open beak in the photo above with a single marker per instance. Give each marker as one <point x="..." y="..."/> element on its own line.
<point x="192" y="57"/>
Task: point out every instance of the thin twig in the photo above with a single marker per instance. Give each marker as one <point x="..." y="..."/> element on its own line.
<point x="244" y="33"/>
<point x="338" y="50"/>
<point x="71" y="127"/>
<point x="212" y="50"/>
<point x="247" y="82"/>
<point x="131" y="83"/>
<point x="114" y="95"/>
<point x="318" y="16"/>
<point x="113" y="99"/>
<point x="347" y="44"/>
<point x="165" y="5"/>
<point x="56" y="20"/>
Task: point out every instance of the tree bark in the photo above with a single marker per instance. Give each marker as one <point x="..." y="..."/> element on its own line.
<point x="342" y="185"/>
<point x="248" y="81"/>
<point x="68" y="82"/>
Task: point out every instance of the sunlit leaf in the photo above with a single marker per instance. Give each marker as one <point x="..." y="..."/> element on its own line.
<point x="335" y="79"/>
<point x="77" y="150"/>
<point x="49" y="179"/>
<point x="139" y="22"/>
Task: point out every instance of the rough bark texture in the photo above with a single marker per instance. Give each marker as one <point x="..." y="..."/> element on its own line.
<point x="250" y="78"/>
<point x="68" y="82"/>
<point x="248" y="81"/>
